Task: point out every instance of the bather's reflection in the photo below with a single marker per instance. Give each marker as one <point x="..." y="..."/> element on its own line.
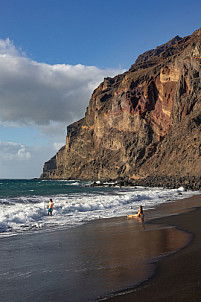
<point x="118" y="253"/>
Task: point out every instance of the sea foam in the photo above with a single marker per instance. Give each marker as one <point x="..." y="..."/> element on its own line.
<point x="24" y="213"/>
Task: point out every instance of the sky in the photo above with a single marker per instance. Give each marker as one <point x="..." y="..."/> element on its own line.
<point x="54" y="53"/>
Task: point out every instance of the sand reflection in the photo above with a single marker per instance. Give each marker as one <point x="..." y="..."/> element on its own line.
<point x="81" y="264"/>
<point x="122" y="252"/>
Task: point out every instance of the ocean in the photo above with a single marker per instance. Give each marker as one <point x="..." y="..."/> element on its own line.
<point x="23" y="203"/>
<point x="75" y="255"/>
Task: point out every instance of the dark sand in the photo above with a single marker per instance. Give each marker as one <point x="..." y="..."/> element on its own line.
<point x="105" y="256"/>
<point x="177" y="277"/>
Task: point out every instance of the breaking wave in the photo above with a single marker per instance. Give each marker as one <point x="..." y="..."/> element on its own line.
<point x="22" y="213"/>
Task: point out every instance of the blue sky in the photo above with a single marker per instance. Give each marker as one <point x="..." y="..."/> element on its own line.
<point x="53" y="53"/>
<point x="106" y="33"/>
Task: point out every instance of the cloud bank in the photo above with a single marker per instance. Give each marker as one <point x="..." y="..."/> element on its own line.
<point x="44" y="97"/>
<point x="32" y="92"/>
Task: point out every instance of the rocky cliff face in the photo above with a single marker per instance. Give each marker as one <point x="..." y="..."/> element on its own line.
<point x="144" y="122"/>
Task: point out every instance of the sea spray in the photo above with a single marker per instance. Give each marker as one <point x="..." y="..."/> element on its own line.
<point x="23" y="203"/>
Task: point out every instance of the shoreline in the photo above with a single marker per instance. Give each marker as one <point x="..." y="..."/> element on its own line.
<point x="176" y="276"/>
<point x="106" y="248"/>
<point x="188" y="182"/>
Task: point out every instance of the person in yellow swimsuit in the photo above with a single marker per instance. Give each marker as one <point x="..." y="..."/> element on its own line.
<point x="140" y="214"/>
<point x="50" y="207"/>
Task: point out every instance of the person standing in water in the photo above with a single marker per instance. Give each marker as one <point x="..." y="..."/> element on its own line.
<point x="50" y="207"/>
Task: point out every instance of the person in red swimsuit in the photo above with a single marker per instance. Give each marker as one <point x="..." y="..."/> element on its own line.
<point x="50" y="207"/>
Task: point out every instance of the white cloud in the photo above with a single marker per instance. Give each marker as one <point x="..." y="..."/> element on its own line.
<point x="8" y="48"/>
<point x="45" y="97"/>
<point x="20" y="161"/>
<point x="13" y="151"/>
<point x="32" y="92"/>
<point x="58" y="146"/>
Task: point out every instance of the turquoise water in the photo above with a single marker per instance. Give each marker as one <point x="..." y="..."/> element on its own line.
<point x="23" y="203"/>
<point x="82" y="261"/>
<point x="24" y="187"/>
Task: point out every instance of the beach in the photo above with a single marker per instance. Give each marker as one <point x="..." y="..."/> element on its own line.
<point x="108" y="259"/>
<point x="177" y="277"/>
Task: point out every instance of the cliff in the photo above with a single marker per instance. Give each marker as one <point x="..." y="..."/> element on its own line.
<point x="144" y="122"/>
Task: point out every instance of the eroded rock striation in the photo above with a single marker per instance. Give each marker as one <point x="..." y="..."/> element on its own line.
<point x="145" y="122"/>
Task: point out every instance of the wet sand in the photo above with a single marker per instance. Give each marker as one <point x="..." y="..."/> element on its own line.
<point x="177" y="277"/>
<point x="105" y="257"/>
